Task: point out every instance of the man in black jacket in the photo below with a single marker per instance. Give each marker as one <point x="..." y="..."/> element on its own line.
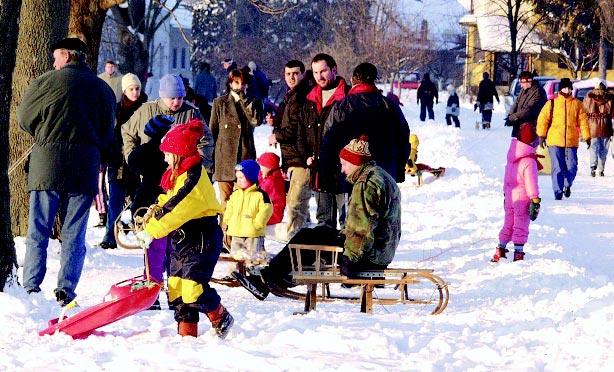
<point x="486" y="92"/>
<point x="70" y="113"/>
<point x="286" y="124"/>
<point x="427" y="91"/>
<point x="366" y="112"/>
<point x="529" y="103"/>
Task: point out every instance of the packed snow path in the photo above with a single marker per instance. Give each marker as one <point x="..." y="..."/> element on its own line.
<point x="553" y="311"/>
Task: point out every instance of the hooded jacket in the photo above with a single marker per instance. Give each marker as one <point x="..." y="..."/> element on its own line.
<point x="520" y="180"/>
<point x="247" y="212"/>
<point x="600" y="113"/>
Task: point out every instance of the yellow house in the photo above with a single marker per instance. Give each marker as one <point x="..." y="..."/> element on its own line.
<point x="488" y="45"/>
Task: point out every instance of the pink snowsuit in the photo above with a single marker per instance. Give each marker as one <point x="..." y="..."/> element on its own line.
<point x="519" y="187"/>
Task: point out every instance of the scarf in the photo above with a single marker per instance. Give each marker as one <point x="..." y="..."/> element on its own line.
<point x="363" y="88"/>
<point x="169" y="177"/>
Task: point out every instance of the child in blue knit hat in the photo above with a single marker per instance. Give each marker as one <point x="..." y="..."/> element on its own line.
<point x="247" y="212"/>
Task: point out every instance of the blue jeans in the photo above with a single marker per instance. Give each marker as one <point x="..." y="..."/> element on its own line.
<point x="43" y="207"/>
<point x="599" y="152"/>
<point x="117" y="198"/>
<point x="564" y="164"/>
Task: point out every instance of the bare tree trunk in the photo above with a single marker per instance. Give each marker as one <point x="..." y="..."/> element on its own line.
<point x="42" y="23"/>
<point x="603" y="49"/>
<point x="9" y="14"/>
<point x="85" y="21"/>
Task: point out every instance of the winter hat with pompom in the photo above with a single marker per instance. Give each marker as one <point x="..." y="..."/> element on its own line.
<point x="357" y="151"/>
<point x="183" y="138"/>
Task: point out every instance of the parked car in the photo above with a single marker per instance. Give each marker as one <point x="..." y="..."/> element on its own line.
<point x="510" y="97"/>
<point x="582" y="87"/>
<point x="552" y="88"/>
<point x="410" y="80"/>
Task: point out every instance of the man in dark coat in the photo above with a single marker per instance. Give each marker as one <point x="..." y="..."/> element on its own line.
<point x="328" y="90"/>
<point x="528" y="105"/>
<point x="427" y="91"/>
<point x="366" y="112"/>
<point x="70" y="114"/>
<point x="486" y="91"/>
<point x="286" y="124"/>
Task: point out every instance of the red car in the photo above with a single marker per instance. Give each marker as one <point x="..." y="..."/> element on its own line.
<point x="408" y="81"/>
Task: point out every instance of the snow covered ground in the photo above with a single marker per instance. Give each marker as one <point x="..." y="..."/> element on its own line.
<point x="553" y="311"/>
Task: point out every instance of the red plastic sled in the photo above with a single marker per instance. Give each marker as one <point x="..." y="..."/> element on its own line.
<point x="123" y="299"/>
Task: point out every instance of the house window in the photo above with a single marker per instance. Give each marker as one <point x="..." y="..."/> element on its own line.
<point x="174" y="58"/>
<point x="183" y="58"/>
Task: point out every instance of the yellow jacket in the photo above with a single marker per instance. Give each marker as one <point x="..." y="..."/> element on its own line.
<point x="568" y="119"/>
<point x="410" y="166"/>
<point x="192" y="197"/>
<point x="247" y="212"/>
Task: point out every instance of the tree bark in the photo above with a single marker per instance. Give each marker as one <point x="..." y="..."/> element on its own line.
<point x="603" y="49"/>
<point x="9" y="14"/>
<point x="42" y="23"/>
<point x="86" y="20"/>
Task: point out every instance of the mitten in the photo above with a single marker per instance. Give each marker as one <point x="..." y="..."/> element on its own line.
<point x="588" y="143"/>
<point x="534" y="208"/>
<point x="344" y="265"/>
<point x="144" y="239"/>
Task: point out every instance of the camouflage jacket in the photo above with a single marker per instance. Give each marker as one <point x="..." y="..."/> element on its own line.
<point x="373" y="224"/>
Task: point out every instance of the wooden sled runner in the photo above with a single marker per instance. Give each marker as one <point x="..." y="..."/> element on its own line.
<point x="431" y="289"/>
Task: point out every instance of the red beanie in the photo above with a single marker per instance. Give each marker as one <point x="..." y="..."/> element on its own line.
<point x="357" y="151"/>
<point x="527" y="134"/>
<point x="269" y="160"/>
<point x="183" y="138"/>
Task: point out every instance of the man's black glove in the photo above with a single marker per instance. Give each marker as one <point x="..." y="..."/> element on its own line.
<point x="534" y="208"/>
<point x="508" y="122"/>
<point x="476" y="105"/>
<point x="588" y="143"/>
<point x="157" y="126"/>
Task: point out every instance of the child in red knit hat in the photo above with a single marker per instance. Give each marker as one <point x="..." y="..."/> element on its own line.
<point x="187" y="213"/>
<point x="272" y="181"/>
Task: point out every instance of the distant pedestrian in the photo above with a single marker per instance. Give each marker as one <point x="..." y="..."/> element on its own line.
<point x="600" y="113"/>
<point x="70" y="114"/>
<point x="259" y="83"/>
<point x="113" y="77"/>
<point x="486" y="92"/>
<point x="427" y="92"/>
<point x="453" y="107"/>
<point x="204" y="83"/>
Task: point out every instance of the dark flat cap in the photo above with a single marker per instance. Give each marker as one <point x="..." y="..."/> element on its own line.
<point x="70" y="43"/>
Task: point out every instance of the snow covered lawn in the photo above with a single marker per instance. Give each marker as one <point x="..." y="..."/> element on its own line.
<point x="554" y="311"/>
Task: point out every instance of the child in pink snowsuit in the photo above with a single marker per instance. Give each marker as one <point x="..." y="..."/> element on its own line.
<point x="521" y="193"/>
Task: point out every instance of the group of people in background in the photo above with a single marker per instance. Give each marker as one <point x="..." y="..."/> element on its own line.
<point x="347" y="145"/>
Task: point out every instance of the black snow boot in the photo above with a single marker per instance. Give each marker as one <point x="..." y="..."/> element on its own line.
<point x="518" y="256"/>
<point x="221" y="320"/>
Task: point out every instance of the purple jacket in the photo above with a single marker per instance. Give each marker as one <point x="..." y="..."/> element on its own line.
<point x="520" y="181"/>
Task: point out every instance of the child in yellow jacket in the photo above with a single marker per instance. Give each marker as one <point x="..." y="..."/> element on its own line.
<point x="187" y="214"/>
<point x="247" y="212"/>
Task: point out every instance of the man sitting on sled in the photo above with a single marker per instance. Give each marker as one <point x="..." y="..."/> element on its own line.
<point x="371" y="234"/>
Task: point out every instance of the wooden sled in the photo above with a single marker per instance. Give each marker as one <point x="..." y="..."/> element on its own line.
<point x="230" y="281"/>
<point x="430" y="289"/>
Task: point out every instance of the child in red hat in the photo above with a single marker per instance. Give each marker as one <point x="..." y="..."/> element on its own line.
<point x="187" y="213"/>
<point x="272" y="181"/>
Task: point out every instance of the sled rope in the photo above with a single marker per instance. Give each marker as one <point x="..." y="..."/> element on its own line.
<point x="21" y="159"/>
<point x="446" y="250"/>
